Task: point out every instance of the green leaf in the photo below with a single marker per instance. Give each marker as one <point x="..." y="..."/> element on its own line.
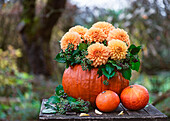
<point x="82" y="46"/>
<point x="108" y="71"/>
<point x="49" y="105"/>
<point x="72" y="63"/>
<point x="109" y="68"/>
<point x="126" y="73"/>
<point x="54" y="99"/>
<point x="49" y="110"/>
<point x="60" y="59"/>
<point x="105" y="73"/>
<point x="76" y="52"/>
<point x="72" y="59"/>
<point x="59" y="90"/>
<point x="67" y="64"/>
<point x="112" y="62"/>
<point x="135" y="66"/>
<point x="112" y="74"/>
<point x="134" y="50"/>
<point x="71" y="99"/>
<point x="118" y="67"/>
<point x="131" y="47"/>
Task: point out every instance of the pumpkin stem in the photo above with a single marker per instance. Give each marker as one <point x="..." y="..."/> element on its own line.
<point x="131" y="86"/>
<point x="103" y="92"/>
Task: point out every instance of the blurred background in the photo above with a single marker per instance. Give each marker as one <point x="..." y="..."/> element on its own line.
<point x="30" y="31"/>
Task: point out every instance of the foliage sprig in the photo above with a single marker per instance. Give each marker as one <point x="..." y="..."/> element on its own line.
<point x="62" y="103"/>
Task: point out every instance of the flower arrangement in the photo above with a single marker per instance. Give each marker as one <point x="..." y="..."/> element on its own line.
<point x="102" y="46"/>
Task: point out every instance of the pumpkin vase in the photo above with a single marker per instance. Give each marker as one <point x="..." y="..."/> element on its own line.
<point x="86" y="84"/>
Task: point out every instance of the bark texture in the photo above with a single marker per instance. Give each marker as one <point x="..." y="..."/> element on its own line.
<point x="36" y="33"/>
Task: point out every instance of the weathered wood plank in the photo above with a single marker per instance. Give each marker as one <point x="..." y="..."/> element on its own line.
<point x="149" y="113"/>
<point x="141" y="112"/>
<point x="152" y="110"/>
<point x="155" y="113"/>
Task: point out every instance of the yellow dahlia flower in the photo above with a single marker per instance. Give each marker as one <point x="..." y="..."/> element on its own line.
<point x="79" y="29"/>
<point x="105" y="26"/>
<point x="98" y="53"/>
<point x="95" y="35"/>
<point x="118" y="49"/>
<point x="72" y="38"/>
<point x="119" y="34"/>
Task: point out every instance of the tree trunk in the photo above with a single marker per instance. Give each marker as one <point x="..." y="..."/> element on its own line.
<point x="38" y="53"/>
<point x="36" y="33"/>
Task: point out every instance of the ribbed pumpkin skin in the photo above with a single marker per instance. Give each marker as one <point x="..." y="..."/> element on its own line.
<point x="86" y="84"/>
<point x="134" y="97"/>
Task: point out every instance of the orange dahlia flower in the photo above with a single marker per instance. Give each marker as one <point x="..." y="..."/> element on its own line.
<point x="118" y="49"/>
<point x="119" y="34"/>
<point x="98" y="53"/>
<point x="105" y="26"/>
<point x="95" y="35"/>
<point x="79" y="29"/>
<point x="70" y="38"/>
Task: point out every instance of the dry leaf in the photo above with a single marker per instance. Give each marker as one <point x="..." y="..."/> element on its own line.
<point x="121" y="113"/>
<point x="84" y="114"/>
<point x="98" y="112"/>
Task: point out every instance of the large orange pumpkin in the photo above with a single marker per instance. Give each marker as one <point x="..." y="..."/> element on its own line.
<point x="134" y="97"/>
<point x="86" y="84"/>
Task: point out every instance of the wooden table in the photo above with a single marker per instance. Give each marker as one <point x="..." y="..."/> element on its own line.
<point x="149" y="113"/>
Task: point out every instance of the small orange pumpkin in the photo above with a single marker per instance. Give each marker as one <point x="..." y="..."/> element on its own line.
<point x="86" y="84"/>
<point x="134" y="97"/>
<point x="107" y="101"/>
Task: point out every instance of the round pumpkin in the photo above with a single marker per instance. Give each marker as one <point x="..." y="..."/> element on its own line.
<point x="86" y="84"/>
<point x="134" y="97"/>
<point x="107" y="101"/>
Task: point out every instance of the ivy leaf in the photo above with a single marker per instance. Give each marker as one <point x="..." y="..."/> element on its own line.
<point x="134" y="50"/>
<point x="60" y="59"/>
<point x="49" y="106"/>
<point x="113" y="73"/>
<point x="54" y="99"/>
<point x="82" y="46"/>
<point x="49" y="110"/>
<point x="112" y="62"/>
<point x="109" y="68"/>
<point x="71" y="99"/>
<point x="126" y="73"/>
<point x="135" y="66"/>
<point x="105" y="73"/>
<point x="59" y="90"/>
<point x="131" y="47"/>
<point x="118" y="67"/>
